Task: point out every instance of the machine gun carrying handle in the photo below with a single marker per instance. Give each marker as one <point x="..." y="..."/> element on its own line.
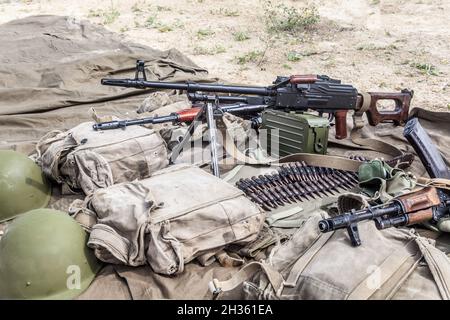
<point x="303" y="79"/>
<point x="401" y="110"/>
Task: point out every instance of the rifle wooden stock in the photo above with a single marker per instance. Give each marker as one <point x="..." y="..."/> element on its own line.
<point x="398" y="116"/>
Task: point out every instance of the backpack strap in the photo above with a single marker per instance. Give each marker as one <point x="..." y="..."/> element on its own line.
<point x="305" y="259"/>
<point x="438" y="263"/>
<point x="278" y="219"/>
<point x="245" y="274"/>
<point x="317" y="160"/>
<point x="404" y="259"/>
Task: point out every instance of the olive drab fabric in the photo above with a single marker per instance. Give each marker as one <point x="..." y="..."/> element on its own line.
<point x="51" y="67"/>
<point x="390" y="264"/>
<point x="23" y="186"/>
<point x="86" y="159"/>
<point x="381" y="182"/>
<point x="179" y="214"/>
<point x="43" y="255"/>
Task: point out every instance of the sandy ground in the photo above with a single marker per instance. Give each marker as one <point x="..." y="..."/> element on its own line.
<point x="377" y="45"/>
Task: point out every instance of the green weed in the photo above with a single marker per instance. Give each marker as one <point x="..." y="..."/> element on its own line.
<point x="293" y="56"/>
<point x="283" y="18"/>
<point x="425" y="68"/>
<point x="252" y="56"/>
<point x="240" y="36"/>
<point x="203" y="33"/>
<point x="225" y="12"/>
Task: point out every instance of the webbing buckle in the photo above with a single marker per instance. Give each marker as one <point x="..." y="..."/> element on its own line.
<point x="214" y="288"/>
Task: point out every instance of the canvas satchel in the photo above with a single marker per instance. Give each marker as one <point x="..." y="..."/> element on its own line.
<point x="85" y="159"/>
<point x="179" y="214"/>
<point x="390" y="264"/>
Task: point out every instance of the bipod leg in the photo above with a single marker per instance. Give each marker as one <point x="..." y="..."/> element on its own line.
<point x="212" y="138"/>
<point x="187" y="136"/>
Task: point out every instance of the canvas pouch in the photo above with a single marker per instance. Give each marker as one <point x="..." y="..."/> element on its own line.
<point x="179" y="214"/>
<point x="85" y="159"/>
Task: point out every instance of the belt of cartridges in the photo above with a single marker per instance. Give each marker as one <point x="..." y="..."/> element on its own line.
<point x="297" y="181"/>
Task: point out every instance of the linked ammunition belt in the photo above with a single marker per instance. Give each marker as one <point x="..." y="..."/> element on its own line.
<point x="296" y="181"/>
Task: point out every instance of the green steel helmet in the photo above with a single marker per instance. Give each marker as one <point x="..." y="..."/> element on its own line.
<point x="43" y="255"/>
<point x="23" y="186"/>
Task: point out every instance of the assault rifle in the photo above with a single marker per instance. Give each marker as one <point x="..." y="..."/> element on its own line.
<point x="295" y="93"/>
<point x="428" y="204"/>
<point x="182" y="116"/>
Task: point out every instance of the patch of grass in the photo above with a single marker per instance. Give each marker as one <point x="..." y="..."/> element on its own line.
<point x="95" y="13"/>
<point x="202" y="51"/>
<point x="226" y="12"/>
<point x="178" y="24"/>
<point x="124" y="29"/>
<point x="220" y="49"/>
<point x="374" y="2"/>
<point x="286" y="66"/>
<point x="137" y="7"/>
<point x="283" y="18"/>
<point x="203" y="33"/>
<point x="372" y="47"/>
<point x="150" y="21"/>
<point x="164" y="28"/>
<point x="253" y="56"/>
<point x="293" y="56"/>
<point x="425" y="68"/>
<point x="163" y="8"/>
<point x="448" y="106"/>
<point x="109" y="15"/>
<point x="240" y="36"/>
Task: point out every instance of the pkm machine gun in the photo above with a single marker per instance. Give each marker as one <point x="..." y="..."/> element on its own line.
<point x="294" y="93"/>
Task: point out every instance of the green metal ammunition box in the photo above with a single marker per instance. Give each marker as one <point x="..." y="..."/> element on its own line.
<point x="296" y="132"/>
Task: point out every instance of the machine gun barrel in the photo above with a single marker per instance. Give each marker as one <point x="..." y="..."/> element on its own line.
<point x="188" y="86"/>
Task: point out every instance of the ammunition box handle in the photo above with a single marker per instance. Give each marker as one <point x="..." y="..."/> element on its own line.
<point x="302" y="79"/>
<point x="398" y="116"/>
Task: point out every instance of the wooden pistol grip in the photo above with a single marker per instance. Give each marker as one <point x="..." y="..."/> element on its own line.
<point x="340" y="117"/>
<point x="188" y="115"/>
<point x="400" y="113"/>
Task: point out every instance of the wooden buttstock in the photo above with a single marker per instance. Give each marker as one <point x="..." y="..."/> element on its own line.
<point x="400" y="113"/>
